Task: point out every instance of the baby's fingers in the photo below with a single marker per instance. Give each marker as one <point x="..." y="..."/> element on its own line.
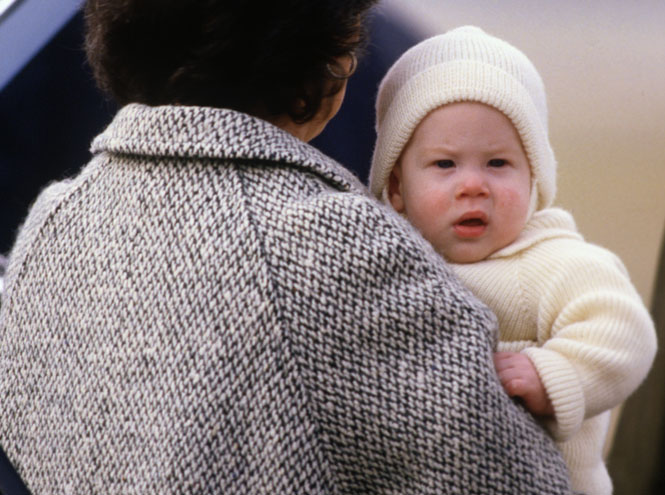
<point x="513" y="382"/>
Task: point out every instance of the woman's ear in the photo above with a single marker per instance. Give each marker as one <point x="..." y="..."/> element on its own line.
<point x="395" y="189"/>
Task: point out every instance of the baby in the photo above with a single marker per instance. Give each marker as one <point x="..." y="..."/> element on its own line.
<point x="463" y="153"/>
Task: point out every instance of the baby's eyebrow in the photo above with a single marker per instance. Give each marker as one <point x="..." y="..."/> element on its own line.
<point x="506" y="147"/>
<point x="439" y="148"/>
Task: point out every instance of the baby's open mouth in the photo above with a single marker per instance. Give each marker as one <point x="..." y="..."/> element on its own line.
<point x="472" y="222"/>
<point x="471" y="225"/>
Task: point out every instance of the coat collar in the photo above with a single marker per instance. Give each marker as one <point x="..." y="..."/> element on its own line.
<point x="202" y="132"/>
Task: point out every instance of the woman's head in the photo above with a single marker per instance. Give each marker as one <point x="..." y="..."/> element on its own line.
<point x="269" y="58"/>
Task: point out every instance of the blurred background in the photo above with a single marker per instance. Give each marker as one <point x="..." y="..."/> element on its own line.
<point x="603" y="63"/>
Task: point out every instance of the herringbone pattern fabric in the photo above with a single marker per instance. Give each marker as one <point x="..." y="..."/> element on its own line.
<point x="212" y="306"/>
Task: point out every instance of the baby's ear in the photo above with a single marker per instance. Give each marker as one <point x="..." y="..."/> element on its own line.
<point x="395" y="189"/>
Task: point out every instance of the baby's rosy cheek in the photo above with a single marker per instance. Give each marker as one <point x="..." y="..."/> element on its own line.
<point x="432" y="202"/>
<point x="513" y="198"/>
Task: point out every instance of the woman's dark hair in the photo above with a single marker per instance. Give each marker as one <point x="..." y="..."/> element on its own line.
<point x="267" y="56"/>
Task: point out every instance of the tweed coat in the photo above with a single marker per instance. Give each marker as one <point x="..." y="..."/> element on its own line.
<point x="213" y="306"/>
<point x="3" y="266"/>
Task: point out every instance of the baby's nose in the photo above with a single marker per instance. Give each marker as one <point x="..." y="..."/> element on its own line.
<point x="472" y="183"/>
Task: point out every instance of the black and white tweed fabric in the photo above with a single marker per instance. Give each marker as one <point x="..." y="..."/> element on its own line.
<point x="213" y="306"/>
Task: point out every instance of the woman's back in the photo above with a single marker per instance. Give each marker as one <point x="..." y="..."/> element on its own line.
<point x="214" y="307"/>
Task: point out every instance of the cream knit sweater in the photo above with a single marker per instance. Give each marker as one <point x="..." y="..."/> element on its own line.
<point x="569" y="306"/>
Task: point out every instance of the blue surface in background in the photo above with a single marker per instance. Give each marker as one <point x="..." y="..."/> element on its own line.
<point x="24" y="29"/>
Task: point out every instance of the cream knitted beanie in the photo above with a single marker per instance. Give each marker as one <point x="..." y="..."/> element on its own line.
<point x="464" y="64"/>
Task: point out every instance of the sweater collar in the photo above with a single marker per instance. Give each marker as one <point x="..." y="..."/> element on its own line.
<point x="218" y="133"/>
<point x="544" y="224"/>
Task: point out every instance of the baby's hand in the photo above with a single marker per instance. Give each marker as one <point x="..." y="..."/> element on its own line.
<point x="520" y="379"/>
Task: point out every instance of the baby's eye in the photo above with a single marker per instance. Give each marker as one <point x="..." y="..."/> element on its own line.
<point x="496" y="162"/>
<point x="445" y="163"/>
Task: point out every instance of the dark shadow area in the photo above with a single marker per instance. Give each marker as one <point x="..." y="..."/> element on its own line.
<point x="10" y="482"/>
<point x="636" y="460"/>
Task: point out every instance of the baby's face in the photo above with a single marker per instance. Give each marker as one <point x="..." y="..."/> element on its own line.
<point x="464" y="181"/>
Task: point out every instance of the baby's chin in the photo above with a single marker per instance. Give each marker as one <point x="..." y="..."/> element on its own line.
<point x="464" y="260"/>
<point x="465" y="256"/>
<point x="469" y="251"/>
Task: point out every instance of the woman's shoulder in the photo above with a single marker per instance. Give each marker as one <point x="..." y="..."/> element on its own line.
<point x="42" y="211"/>
<point x="367" y="223"/>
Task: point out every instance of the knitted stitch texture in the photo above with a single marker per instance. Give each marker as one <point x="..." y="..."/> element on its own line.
<point x="570" y="307"/>
<point x="213" y="306"/>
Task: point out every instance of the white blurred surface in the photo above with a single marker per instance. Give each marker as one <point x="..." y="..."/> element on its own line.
<point x="603" y="63"/>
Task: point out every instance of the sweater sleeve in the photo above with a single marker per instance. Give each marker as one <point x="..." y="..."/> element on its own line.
<point x="597" y="340"/>
<point x="395" y="359"/>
